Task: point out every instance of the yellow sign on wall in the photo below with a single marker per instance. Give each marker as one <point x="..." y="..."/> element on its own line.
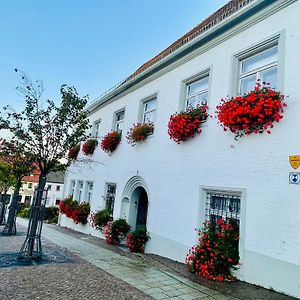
<point x="295" y="161"/>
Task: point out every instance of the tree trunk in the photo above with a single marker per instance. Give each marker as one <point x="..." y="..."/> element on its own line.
<point x="32" y="247"/>
<point x="10" y="227"/>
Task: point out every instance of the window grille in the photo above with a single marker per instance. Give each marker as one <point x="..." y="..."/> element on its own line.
<point x="221" y="205"/>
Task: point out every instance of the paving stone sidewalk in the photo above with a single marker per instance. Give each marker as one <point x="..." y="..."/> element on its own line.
<point x="159" y="281"/>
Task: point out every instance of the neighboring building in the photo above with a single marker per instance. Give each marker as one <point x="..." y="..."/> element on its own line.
<point x="174" y="188"/>
<point x="54" y="185"/>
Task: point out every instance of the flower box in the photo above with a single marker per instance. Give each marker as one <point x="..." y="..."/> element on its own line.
<point x="139" y="132"/>
<point x="110" y="142"/>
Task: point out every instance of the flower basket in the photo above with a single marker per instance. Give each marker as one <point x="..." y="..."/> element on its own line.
<point x="139" y="132"/>
<point x="73" y="152"/>
<point x="186" y="124"/>
<point x="77" y="212"/>
<point x="89" y="146"/>
<point x="115" y="231"/>
<point x="217" y="252"/>
<point x="137" y="240"/>
<point x="254" y="112"/>
<point x="110" y="142"/>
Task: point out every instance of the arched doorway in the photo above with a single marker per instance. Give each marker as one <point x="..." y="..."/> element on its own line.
<point x="135" y="203"/>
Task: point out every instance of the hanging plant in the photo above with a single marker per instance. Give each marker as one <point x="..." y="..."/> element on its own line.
<point x="254" y="112"/>
<point x="73" y="152"/>
<point x="139" y="132"/>
<point x="89" y="146"/>
<point x="186" y="124"/>
<point x="110" y="142"/>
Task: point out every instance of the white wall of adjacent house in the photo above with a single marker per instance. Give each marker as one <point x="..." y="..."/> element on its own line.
<point x="54" y="194"/>
<point x="179" y="178"/>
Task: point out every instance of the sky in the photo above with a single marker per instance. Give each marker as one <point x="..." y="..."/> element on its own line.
<point x="89" y="44"/>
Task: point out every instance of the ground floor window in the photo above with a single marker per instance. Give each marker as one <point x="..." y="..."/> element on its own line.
<point x="110" y="196"/>
<point x="222" y="205"/>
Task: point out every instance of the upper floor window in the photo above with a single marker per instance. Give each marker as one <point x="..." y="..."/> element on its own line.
<point x="30" y="185"/>
<point x="149" y="111"/>
<point x="58" y="188"/>
<point x="119" y="120"/>
<point x="262" y="65"/>
<point x="96" y="129"/>
<point x="49" y="187"/>
<point x="72" y="187"/>
<point x="196" y="92"/>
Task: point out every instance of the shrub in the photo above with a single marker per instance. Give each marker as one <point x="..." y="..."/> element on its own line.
<point x="186" y="124"/>
<point x="24" y="212"/>
<point x="110" y="142"/>
<point x="217" y="251"/>
<point x="115" y="231"/>
<point x="254" y="112"/>
<point x="51" y="215"/>
<point x="100" y="218"/>
<point x="89" y="146"/>
<point x="139" y="132"/>
<point x="137" y="240"/>
<point x="73" y="152"/>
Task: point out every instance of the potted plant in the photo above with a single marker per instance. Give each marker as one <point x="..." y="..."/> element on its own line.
<point x="217" y="252"/>
<point x="89" y="146"/>
<point x="110" y="142"/>
<point x="251" y="113"/>
<point x="137" y="240"/>
<point x="73" y="152"/>
<point x="100" y="219"/>
<point x="115" y="231"/>
<point x="187" y="123"/>
<point x="139" y="132"/>
<point x="80" y="213"/>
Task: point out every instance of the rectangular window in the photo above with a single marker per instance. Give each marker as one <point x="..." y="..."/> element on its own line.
<point x="119" y="120"/>
<point x="222" y="205"/>
<point x="79" y="191"/>
<point x="96" y="129"/>
<point x="196" y="92"/>
<point x="57" y="201"/>
<point x="27" y="199"/>
<point x="149" y="111"/>
<point x="88" y="191"/>
<point x="262" y="65"/>
<point x="72" y="187"/>
<point x="30" y="185"/>
<point x="110" y="196"/>
<point x="49" y="187"/>
<point x="58" y="188"/>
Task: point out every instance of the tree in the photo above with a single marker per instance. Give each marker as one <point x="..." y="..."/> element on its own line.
<point x="19" y="165"/>
<point x="7" y="180"/>
<point x="46" y="132"/>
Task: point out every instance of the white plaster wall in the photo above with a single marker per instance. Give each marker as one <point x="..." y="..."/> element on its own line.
<point x="174" y="173"/>
<point x="53" y="194"/>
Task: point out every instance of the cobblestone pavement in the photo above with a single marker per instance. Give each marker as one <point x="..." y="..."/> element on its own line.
<point x="111" y="274"/>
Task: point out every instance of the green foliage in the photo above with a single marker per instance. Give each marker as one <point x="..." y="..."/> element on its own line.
<point x="7" y="179"/>
<point x="51" y="215"/>
<point x="116" y="231"/>
<point x="100" y="218"/>
<point x="24" y="210"/>
<point x="137" y="240"/>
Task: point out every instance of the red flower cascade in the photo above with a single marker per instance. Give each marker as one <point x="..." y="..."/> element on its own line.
<point x="254" y="112"/>
<point x="110" y="142"/>
<point x="186" y="124"/>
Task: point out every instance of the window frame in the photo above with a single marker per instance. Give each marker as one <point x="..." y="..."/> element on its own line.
<point x="79" y="190"/>
<point x="96" y="132"/>
<point x="88" y="191"/>
<point x="116" y="122"/>
<point x="107" y="184"/>
<point x="278" y="39"/>
<point x="72" y="187"/>
<point x="142" y="108"/>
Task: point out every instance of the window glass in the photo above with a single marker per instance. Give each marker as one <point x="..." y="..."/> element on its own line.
<point x="270" y="76"/>
<point x="196" y="93"/>
<point x="110" y="196"/>
<point x="119" y="121"/>
<point x="262" y="59"/>
<point x="247" y="84"/>
<point x="96" y="129"/>
<point x="149" y="111"/>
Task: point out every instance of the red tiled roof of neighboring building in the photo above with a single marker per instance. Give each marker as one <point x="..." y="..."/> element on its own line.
<point x="227" y="10"/>
<point x="34" y="177"/>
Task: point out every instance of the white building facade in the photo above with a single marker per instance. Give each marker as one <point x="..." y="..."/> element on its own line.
<point x="174" y="188"/>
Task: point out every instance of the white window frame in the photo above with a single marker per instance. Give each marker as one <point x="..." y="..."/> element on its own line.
<point x="79" y="192"/>
<point x="144" y="112"/>
<point x="107" y="184"/>
<point x="96" y="131"/>
<point x="278" y="40"/>
<point x="117" y="123"/>
<point x="72" y="188"/>
<point x="88" y="193"/>
<point x="201" y="92"/>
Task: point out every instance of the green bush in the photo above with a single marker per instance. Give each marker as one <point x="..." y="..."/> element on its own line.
<point x="24" y="212"/>
<point x="100" y="218"/>
<point x="51" y="215"/>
